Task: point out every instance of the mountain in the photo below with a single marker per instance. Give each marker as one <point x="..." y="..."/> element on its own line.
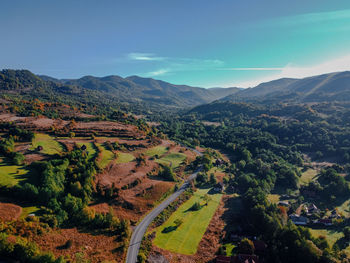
<point x="322" y="88"/>
<point x="135" y="88"/>
<point x="137" y="92"/>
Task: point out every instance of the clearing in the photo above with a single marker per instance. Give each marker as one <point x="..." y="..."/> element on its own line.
<point x="124" y="157"/>
<point x="11" y="175"/>
<point x="307" y="176"/>
<point x="105" y="156"/>
<point x="50" y="146"/>
<point x="172" y="159"/>
<point x="158" y="150"/>
<point x="185" y="238"/>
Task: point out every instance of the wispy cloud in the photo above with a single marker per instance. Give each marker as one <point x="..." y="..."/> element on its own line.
<point x="168" y="65"/>
<point x="144" y="57"/>
<point x="157" y="73"/>
<point x="295" y="71"/>
<point x="251" y="69"/>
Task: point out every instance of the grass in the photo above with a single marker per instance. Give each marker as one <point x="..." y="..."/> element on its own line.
<point x="157" y="150"/>
<point x="175" y="159"/>
<point x="124" y="158"/>
<point x="106" y="156"/>
<point x="229" y="247"/>
<point x="345" y="208"/>
<point x="273" y="198"/>
<point x="185" y="238"/>
<point x="89" y="148"/>
<point x="29" y="210"/>
<point x="331" y="235"/>
<point x="307" y="176"/>
<point x="50" y="146"/>
<point x="11" y="175"/>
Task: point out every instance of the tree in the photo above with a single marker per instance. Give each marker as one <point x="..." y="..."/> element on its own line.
<point x="212" y="179"/>
<point x="246" y="246"/>
<point x="178" y="222"/>
<point x="206" y="198"/>
<point x="346" y="232"/>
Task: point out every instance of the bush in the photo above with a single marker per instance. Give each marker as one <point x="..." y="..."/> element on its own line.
<point x="196" y="206"/>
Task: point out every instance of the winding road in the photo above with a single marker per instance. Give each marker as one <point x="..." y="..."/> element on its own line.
<point x="141" y="228"/>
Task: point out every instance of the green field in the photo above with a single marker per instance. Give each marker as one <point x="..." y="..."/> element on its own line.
<point x="228" y="249"/>
<point x="307" y="176"/>
<point x="186" y="237"/>
<point x="89" y="148"/>
<point x="124" y="158"/>
<point x="173" y="159"/>
<point x="158" y="150"/>
<point x="106" y="156"/>
<point x="29" y="210"/>
<point x="50" y="146"/>
<point x="10" y="175"/>
<point x="345" y="208"/>
<point x="331" y="235"/>
<point x="273" y="198"/>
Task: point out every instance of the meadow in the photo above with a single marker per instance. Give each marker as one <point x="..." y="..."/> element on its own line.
<point x="185" y="238"/>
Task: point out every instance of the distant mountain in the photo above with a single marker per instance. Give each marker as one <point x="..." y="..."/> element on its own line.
<point x="135" y="91"/>
<point x="322" y="88"/>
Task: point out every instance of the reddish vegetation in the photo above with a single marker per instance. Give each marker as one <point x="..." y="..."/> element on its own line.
<point x="209" y="244"/>
<point x="134" y="201"/>
<point x="96" y="248"/>
<point x="9" y="212"/>
<point x="102" y="128"/>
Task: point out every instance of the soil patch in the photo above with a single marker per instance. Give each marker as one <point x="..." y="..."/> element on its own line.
<point x="9" y="211"/>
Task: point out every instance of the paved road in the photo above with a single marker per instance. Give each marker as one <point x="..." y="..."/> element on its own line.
<point x="141" y="228"/>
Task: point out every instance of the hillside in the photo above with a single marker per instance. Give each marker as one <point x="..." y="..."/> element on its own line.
<point x="136" y="89"/>
<point x="322" y="88"/>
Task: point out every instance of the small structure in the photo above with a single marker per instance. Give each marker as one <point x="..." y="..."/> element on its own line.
<point x="299" y="220"/>
<point x="219" y="162"/>
<point x="39" y="148"/>
<point x="325" y="221"/>
<point x="334" y="214"/>
<point x="219" y="187"/>
<point x="312" y="209"/>
<point x="83" y="147"/>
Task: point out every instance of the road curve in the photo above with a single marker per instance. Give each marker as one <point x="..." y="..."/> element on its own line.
<point x="141" y="228"/>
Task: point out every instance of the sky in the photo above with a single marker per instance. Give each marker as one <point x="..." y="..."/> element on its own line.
<point x="202" y="43"/>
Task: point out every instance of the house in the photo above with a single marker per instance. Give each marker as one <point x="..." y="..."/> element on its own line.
<point x="312" y="209"/>
<point x="334" y="214"/>
<point x="325" y="222"/>
<point x="219" y="162"/>
<point x="219" y="187"/>
<point x="298" y="220"/>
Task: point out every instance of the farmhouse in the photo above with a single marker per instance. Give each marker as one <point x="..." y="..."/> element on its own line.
<point x="298" y="220"/>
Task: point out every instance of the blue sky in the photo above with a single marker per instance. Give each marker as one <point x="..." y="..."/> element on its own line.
<point x="195" y="42"/>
